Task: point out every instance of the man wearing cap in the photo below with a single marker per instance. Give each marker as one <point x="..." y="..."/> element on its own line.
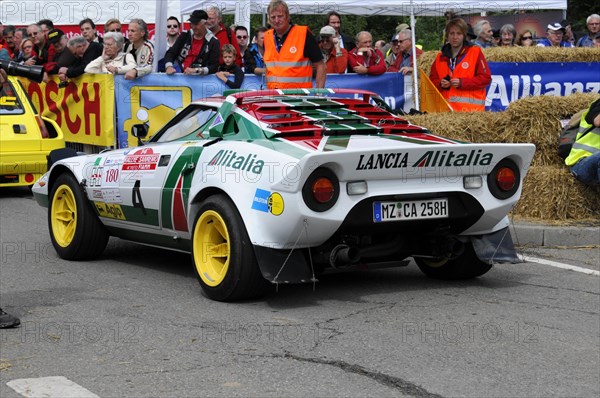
<point x="195" y="52"/>
<point x="593" y="26"/>
<point x="336" y="58"/>
<point x="291" y="51"/>
<point x="404" y="59"/>
<point x="584" y="158"/>
<point x="62" y="56"/>
<point x="554" y="36"/>
<point x="334" y="20"/>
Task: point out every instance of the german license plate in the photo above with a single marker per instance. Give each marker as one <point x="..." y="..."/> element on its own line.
<point x="410" y="210"/>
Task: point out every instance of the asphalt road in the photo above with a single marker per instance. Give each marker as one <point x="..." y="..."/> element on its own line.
<point x="135" y="323"/>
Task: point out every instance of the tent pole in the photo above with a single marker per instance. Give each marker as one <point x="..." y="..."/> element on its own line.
<point x="414" y="57"/>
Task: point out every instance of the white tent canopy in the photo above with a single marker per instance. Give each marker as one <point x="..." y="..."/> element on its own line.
<point x="375" y="7"/>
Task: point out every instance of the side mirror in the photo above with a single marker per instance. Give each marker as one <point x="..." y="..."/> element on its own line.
<point x="139" y="130"/>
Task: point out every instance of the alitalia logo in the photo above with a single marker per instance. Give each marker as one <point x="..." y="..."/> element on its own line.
<point x="449" y="158"/>
<point x="445" y="158"/>
<point x="231" y="159"/>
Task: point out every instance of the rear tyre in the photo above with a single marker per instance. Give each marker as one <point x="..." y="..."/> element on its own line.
<point x="465" y="266"/>
<point x="75" y="230"/>
<point x="223" y="256"/>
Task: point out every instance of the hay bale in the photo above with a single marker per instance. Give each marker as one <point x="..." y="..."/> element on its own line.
<point x="533" y="120"/>
<point x="551" y="193"/>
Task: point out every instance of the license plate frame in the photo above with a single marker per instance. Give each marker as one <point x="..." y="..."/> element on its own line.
<point x="409" y="210"/>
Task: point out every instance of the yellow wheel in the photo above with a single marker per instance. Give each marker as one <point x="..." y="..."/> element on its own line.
<point x="64" y="215"/>
<point x="75" y="230"/>
<point x="223" y="256"/>
<point x="466" y="266"/>
<point x="211" y="248"/>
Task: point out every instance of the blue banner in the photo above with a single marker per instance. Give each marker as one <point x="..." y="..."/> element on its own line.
<point x="514" y="80"/>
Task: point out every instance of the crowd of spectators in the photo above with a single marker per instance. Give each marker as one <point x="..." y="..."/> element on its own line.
<point x="199" y="51"/>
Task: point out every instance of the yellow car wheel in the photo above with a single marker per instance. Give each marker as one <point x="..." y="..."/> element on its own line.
<point x="75" y="231"/>
<point x="223" y="256"/>
<point x="212" y="250"/>
<point x="64" y="215"/>
<point x="466" y="266"/>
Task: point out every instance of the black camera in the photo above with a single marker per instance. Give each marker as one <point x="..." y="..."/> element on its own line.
<point x="447" y="77"/>
<point x="63" y="84"/>
<point x="34" y="72"/>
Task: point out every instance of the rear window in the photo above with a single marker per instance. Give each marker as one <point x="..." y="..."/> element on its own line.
<point x="9" y="101"/>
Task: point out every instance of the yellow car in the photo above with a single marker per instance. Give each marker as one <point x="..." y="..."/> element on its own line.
<point x="26" y="138"/>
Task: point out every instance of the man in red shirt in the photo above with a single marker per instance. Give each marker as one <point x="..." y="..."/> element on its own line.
<point x="222" y="33"/>
<point x="364" y="59"/>
<point x="195" y="52"/>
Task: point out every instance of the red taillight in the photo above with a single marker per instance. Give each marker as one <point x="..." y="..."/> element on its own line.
<point x="506" y="179"/>
<point x="29" y="178"/>
<point x="323" y="190"/>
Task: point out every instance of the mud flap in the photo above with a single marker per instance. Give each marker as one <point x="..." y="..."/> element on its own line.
<point x="496" y="247"/>
<point x="277" y="267"/>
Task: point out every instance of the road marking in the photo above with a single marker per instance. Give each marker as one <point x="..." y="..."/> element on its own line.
<point x="561" y="265"/>
<point x="54" y="386"/>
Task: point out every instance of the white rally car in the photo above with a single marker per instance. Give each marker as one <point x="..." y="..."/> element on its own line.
<point x="267" y="187"/>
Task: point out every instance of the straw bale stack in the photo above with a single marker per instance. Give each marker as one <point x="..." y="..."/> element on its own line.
<point x="550" y="192"/>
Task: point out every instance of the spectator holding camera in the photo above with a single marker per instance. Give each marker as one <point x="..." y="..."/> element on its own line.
<point x="43" y="50"/>
<point x="460" y="71"/>
<point x="195" y="52"/>
<point x="113" y="60"/>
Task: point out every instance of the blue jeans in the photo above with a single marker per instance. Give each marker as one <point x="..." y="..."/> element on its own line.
<point x="587" y="170"/>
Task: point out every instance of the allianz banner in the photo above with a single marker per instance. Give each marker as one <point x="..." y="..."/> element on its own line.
<point x="158" y="97"/>
<point x="514" y="80"/>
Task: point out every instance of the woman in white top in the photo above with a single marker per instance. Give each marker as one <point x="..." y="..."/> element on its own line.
<point x="113" y="59"/>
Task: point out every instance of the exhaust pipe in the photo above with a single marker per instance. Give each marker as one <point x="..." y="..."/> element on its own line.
<point x="342" y="255"/>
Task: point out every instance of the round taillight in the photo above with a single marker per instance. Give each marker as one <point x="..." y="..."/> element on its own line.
<point x="323" y="190"/>
<point x="505" y="178"/>
<point x="29" y="178"/>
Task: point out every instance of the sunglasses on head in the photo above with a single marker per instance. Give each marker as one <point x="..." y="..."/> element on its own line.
<point x="172" y="26"/>
<point x="242" y="37"/>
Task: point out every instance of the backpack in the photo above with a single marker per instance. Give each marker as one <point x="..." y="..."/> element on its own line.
<point x="568" y="134"/>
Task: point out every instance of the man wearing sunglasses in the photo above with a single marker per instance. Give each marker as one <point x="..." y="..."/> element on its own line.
<point x="241" y="34"/>
<point x="404" y="59"/>
<point x="172" y="31"/>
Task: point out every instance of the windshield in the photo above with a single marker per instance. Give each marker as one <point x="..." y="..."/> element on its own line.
<point x="188" y="125"/>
